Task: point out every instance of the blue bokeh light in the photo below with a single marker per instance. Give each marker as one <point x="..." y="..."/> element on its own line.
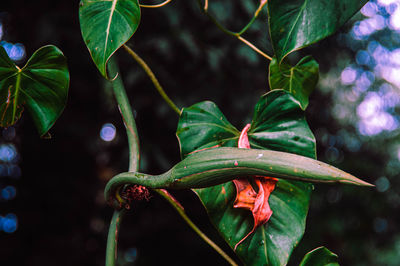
<point x="131" y="255"/>
<point x="374" y="78"/>
<point x="363" y="58"/>
<point x="9" y="223"/>
<point x="8" y="153"/>
<point x="382" y="184"/>
<point x="16" y="52"/>
<point x="8" y="193"/>
<point x="108" y="132"/>
<point x="13" y="170"/>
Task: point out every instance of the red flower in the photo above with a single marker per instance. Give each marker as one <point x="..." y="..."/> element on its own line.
<point x="248" y="198"/>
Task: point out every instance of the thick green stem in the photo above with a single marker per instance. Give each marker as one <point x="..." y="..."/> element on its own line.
<point x="153" y="78"/>
<point x="112" y="239"/>
<point x="134" y="156"/>
<point x="127" y="115"/>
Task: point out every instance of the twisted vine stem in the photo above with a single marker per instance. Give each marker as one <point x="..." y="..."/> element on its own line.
<point x="131" y="131"/>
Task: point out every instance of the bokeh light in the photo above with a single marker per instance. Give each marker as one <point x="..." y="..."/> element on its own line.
<point x="16" y="52"/>
<point x="9" y="156"/>
<point x="8" y="193"/>
<point x="108" y="132"/>
<point x="130" y="255"/>
<point x="8" y="153"/>
<point x="9" y="223"/>
<point x="382" y="184"/>
<point x="373" y="81"/>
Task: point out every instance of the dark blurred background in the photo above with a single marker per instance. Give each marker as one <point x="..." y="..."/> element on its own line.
<point x="52" y="210"/>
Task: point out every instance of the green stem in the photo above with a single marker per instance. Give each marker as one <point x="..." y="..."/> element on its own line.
<point x="182" y="213"/>
<point x="248" y="25"/>
<point x="156" y="6"/>
<point x="238" y="34"/>
<point x="255" y="16"/>
<point x="131" y="131"/>
<point x="134" y="156"/>
<point x="221" y="27"/>
<point x="127" y="115"/>
<point x="153" y="78"/>
<point x="112" y="239"/>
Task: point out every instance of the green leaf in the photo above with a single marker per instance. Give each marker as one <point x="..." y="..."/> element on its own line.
<point x="320" y="257"/>
<point x="300" y="80"/>
<point x="41" y="86"/>
<point x="106" y="25"/>
<point x="295" y="24"/>
<point x="202" y="126"/>
<point x="278" y="124"/>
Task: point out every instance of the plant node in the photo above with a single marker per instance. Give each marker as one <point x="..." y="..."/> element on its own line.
<point x="135" y="192"/>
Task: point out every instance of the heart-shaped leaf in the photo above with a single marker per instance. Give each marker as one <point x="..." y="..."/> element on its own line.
<point x="278" y="124"/>
<point x="300" y="80"/>
<point x="295" y="24"/>
<point x="320" y="257"/>
<point x="106" y="25"/>
<point x="41" y="86"/>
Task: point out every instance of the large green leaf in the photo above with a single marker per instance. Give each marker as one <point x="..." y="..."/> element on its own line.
<point x="320" y="257"/>
<point x="278" y="124"/>
<point x="106" y="25"/>
<point x="300" y="80"/>
<point x="295" y="24"/>
<point x="41" y="86"/>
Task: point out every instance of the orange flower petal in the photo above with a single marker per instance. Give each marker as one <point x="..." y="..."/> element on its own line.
<point x="248" y="198"/>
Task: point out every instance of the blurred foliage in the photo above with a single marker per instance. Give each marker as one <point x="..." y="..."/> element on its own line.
<point x="62" y="215"/>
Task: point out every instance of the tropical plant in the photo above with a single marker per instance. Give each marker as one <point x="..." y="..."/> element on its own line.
<point x="254" y="182"/>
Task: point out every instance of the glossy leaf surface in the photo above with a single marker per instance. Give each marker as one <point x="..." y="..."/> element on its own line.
<point x="295" y="24"/>
<point x="278" y="124"/>
<point x="106" y="25"/>
<point x="320" y="257"/>
<point x="202" y="126"/>
<point x="300" y="80"/>
<point x="41" y="86"/>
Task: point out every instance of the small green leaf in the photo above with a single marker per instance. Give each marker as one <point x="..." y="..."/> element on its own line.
<point x="320" y="257"/>
<point x="278" y="124"/>
<point x="300" y="80"/>
<point x="295" y="24"/>
<point x="41" y="86"/>
<point x="106" y="25"/>
<point x="202" y="126"/>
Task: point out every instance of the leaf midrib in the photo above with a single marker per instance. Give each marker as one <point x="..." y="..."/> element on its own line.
<point x="112" y="10"/>
<point x="292" y="28"/>
<point x="17" y="86"/>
